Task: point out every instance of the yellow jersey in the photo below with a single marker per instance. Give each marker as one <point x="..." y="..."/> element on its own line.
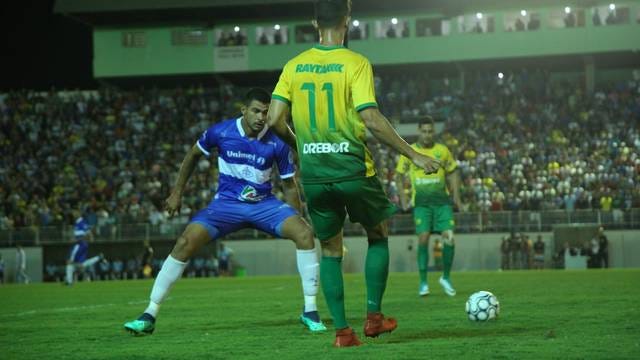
<point x="429" y="189"/>
<point x="326" y="87"/>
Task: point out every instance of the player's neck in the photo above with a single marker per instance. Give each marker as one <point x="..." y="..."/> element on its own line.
<point x="428" y="145"/>
<point x="248" y="132"/>
<point x="331" y="37"/>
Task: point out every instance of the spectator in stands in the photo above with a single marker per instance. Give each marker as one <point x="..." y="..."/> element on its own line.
<point x="611" y="18"/>
<point x="538" y="253"/>
<point x="570" y="20"/>
<point x="198" y="266"/>
<point x="132" y="268"/>
<point x="526" y="248"/>
<point x="117" y="269"/>
<point x="104" y="270"/>
<point x="263" y="40"/>
<point x="147" y="256"/>
<point x="355" y="33"/>
<point x="405" y="30"/>
<point x="21" y="266"/>
<point x="277" y="37"/>
<point x="519" y="24"/>
<point x="50" y="272"/>
<point x="534" y="22"/>
<point x="477" y="28"/>
<point x="603" y="249"/>
<point x="505" y="251"/>
<point x="596" y="17"/>
<point x="585" y="251"/>
<point x="225" y="255"/>
<point x="391" y="32"/>
<point x="515" y="243"/>
<point x="211" y="266"/>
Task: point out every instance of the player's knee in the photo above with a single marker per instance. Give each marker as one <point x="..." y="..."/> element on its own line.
<point x="304" y="239"/>
<point x="423" y="239"/>
<point x="331" y="248"/>
<point x="183" y="249"/>
<point x="378" y="231"/>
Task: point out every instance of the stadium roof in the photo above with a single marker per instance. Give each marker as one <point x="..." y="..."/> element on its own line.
<point x="151" y="12"/>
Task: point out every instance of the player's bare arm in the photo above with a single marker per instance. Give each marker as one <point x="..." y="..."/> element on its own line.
<point x="453" y="179"/>
<point x="277" y="120"/>
<point x="291" y="193"/>
<point x="174" y="201"/>
<point x="383" y="131"/>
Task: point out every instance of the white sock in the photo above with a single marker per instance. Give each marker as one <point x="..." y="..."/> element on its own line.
<point x="91" y="261"/>
<point x="171" y="271"/>
<point x="69" y="273"/>
<point x="309" y="270"/>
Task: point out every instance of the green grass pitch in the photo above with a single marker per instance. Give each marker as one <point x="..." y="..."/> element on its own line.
<point x="544" y="315"/>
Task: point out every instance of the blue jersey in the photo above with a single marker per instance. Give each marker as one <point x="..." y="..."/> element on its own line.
<point x="81" y="228"/>
<point x="245" y="164"/>
<point x="79" y="251"/>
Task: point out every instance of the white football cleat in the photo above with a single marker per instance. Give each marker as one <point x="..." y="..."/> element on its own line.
<point x="423" y="290"/>
<point x="446" y="285"/>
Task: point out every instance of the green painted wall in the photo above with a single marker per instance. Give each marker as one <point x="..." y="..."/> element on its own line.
<point x="159" y="57"/>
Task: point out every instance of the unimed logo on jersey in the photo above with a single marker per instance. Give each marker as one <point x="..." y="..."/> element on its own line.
<point x="325" y="148"/>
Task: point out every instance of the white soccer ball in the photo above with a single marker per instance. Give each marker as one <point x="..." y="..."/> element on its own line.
<point x="482" y="306"/>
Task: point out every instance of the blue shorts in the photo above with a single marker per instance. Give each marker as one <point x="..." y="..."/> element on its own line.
<point x="224" y="216"/>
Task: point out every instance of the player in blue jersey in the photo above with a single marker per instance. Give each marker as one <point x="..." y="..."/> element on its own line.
<point x="77" y="260"/>
<point x="247" y="153"/>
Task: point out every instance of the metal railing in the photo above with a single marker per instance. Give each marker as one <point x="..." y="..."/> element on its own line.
<point x="499" y="221"/>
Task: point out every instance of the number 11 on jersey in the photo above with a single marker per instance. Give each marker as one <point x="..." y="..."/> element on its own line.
<point x="328" y="88"/>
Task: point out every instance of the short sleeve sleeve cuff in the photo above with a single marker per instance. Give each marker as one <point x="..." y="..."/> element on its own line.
<point x="281" y="98"/>
<point x="366" y="106"/>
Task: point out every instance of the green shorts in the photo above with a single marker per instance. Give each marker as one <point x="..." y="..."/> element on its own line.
<point x="363" y="199"/>
<point x="433" y="218"/>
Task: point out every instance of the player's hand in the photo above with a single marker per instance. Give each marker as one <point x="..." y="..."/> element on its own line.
<point x="427" y="163"/>
<point x="173" y="203"/>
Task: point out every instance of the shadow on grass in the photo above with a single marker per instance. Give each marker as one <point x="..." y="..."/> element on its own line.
<point x="462" y="333"/>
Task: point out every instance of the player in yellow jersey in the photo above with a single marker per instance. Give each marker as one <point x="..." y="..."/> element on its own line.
<point x="431" y="202"/>
<point x="329" y="92"/>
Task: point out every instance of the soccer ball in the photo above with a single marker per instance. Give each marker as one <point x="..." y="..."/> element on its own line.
<point x="482" y="306"/>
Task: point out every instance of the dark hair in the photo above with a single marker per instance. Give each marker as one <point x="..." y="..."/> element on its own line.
<point x="329" y="13"/>
<point x="427" y="120"/>
<point x="257" y="94"/>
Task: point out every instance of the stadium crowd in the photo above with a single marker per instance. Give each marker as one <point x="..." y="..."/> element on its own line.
<point x="523" y="142"/>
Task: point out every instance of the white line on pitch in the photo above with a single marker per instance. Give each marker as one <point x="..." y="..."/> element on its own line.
<point x="73" y="308"/>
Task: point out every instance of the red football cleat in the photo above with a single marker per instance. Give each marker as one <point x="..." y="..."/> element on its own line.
<point x="346" y="337"/>
<point x="377" y="324"/>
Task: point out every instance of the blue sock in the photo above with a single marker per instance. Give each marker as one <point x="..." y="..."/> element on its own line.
<point x="147" y="317"/>
<point x="312" y="315"/>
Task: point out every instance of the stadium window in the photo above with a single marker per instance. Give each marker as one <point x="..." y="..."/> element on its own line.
<point x="306" y="34"/>
<point x="566" y="17"/>
<point x="392" y="28"/>
<point x="189" y="37"/>
<point x="232" y="36"/>
<point x="521" y="21"/>
<point x="272" y="35"/>
<point x="611" y="14"/>
<point x="432" y="27"/>
<point x="134" y="39"/>
<point x="359" y="30"/>
<point x="476" y="23"/>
